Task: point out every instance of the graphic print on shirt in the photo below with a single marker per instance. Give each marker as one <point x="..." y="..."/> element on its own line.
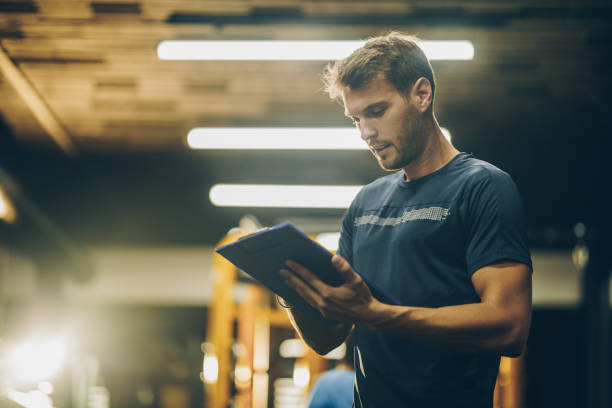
<point x="428" y="213"/>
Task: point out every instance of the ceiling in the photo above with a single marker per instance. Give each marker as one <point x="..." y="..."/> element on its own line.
<point x="534" y="101"/>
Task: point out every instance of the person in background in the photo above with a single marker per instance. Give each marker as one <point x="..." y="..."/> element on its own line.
<point x="334" y="388"/>
<point x="444" y="234"/>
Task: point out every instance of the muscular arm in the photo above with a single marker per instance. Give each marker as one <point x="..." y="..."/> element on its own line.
<point x="499" y="323"/>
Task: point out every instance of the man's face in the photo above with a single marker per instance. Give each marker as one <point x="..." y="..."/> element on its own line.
<point x="389" y="123"/>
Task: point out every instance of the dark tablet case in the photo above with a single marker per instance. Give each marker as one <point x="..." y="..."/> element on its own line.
<point x="263" y="254"/>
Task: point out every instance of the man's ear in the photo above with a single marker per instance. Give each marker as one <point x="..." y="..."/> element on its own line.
<point x="421" y="91"/>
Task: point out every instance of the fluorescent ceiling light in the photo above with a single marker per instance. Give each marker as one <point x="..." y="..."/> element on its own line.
<point x="276" y="138"/>
<point x="337" y="138"/>
<point x="284" y="196"/>
<point x="295" y="50"/>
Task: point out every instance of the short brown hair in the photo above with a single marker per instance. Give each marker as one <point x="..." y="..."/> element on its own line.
<point x="395" y="57"/>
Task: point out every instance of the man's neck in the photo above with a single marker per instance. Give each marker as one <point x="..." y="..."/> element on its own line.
<point x="437" y="153"/>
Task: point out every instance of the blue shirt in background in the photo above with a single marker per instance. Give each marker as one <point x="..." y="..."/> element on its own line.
<point x="333" y="389"/>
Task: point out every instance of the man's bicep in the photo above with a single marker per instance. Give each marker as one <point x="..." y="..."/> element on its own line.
<point x="506" y="287"/>
<point x="504" y="284"/>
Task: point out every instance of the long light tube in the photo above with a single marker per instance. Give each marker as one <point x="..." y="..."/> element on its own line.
<point x="295" y="50"/>
<point x="283" y="196"/>
<point x="275" y="138"/>
<point x="333" y="138"/>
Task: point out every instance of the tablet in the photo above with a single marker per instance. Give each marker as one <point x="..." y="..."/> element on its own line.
<point x="263" y="254"/>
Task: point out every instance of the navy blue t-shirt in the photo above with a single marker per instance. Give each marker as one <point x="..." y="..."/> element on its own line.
<point x="421" y="241"/>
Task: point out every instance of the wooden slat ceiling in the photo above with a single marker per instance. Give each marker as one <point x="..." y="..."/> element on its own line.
<point x="95" y="63"/>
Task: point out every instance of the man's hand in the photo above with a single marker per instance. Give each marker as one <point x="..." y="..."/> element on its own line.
<point x="352" y="302"/>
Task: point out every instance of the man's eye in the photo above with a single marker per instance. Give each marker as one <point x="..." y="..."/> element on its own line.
<point x="378" y="112"/>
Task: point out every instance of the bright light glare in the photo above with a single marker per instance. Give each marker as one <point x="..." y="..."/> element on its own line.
<point x="37" y="360"/>
<point x="31" y="399"/>
<point x="333" y="138"/>
<point x="329" y="240"/>
<point x="292" y="348"/>
<point x="301" y="374"/>
<point x="242" y="374"/>
<point x="289" y="401"/>
<point x="446" y="133"/>
<point x="46" y="387"/>
<point x="295" y="50"/>
<point x="7" y="211"/>
<point x="3" y="205"/>
<point x="284" y="196"/>
<point x="276" y="138"/>
<point x="210" y="369"/>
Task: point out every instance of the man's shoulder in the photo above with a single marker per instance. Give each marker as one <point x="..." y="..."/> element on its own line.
<point x="476" y="170"/>
<point x="474" y="165"/>
<point x="483" y="179"/>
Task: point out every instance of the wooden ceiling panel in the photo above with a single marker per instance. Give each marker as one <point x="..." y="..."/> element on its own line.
<point x="239" y="106"/>
<point x="331" y="8"/>
<point x="18" y="116"/>
<point x="95" y="63"/>
<point x="65" y="89"/>
<point x="162" y="10"/>
<point x="64" y="9"/>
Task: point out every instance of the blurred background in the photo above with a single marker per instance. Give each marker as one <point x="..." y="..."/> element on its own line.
<point x="110" y="293"/>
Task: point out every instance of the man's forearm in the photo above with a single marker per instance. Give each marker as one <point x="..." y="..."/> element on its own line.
<point x="469" y="327"/>
<point x="321" y="339"/>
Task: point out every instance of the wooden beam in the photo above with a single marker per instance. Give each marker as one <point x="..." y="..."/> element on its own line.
<point x="36" y="104"/>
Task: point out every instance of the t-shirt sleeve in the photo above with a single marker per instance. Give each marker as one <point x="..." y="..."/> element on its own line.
<point x="495" y="222"/>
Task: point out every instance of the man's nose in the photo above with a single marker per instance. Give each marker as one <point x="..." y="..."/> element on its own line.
<point x="367" y="130"/>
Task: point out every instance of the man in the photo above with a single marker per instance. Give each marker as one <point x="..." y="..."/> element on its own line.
<point x="445" y="236"/>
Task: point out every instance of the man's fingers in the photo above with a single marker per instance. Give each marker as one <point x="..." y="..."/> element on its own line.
<point x="339" y="263"/>
<point x="344" y="268"/>
<point x="301" y="287"/>
<point x="308" y="277"/>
